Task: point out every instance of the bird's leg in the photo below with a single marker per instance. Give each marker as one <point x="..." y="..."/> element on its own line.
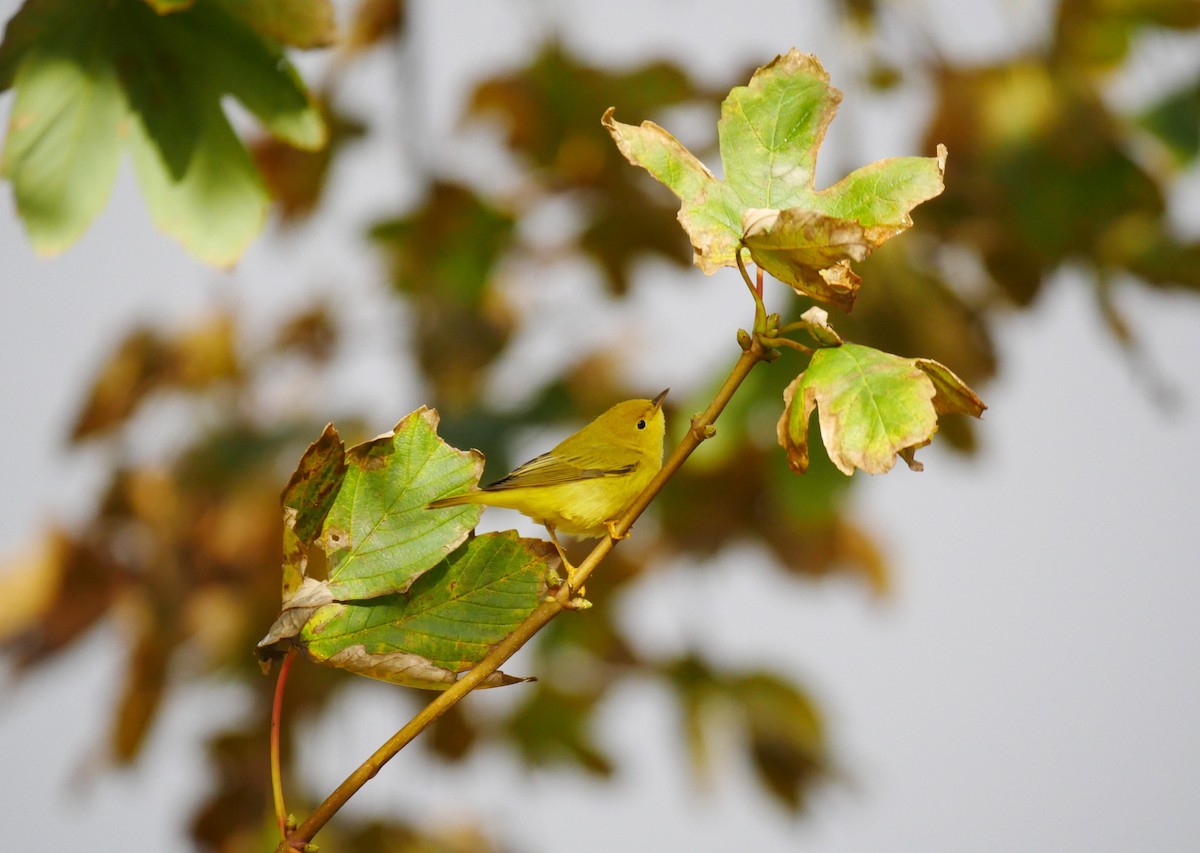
<point x="612" y="530"/>
<point x="577" y="601"/>
<point x="561" y="553"/>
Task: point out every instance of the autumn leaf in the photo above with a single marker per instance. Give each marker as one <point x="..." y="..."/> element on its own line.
<point x="446" y="622"/>
<point x="770" y="133"/>
<point x="871" y="406"/>
<point x="307" y="499"/>
<point x="407" y="597"/>
<point x="375" y="533"/>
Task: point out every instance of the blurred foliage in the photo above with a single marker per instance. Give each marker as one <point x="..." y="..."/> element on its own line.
<point x="183" y="549"/>
<point x="150" y="77"/>
<point x="548" y="112"/>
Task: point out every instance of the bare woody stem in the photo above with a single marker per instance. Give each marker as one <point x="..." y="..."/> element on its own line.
<point x="702" y="427"/>
<point x="276" y="725"/>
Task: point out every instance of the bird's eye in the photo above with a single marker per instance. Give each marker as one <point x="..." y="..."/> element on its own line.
<point x="642" y="424"/>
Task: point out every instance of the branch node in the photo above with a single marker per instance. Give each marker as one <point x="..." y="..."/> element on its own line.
<point x="577" y="602"/>
<point x="702" y="431"/>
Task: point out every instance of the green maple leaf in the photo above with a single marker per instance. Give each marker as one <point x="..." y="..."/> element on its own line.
<point x="770" y="132"/>
<point x="871" y="406"/>
<point x="377" y="535"/>
<point x="445" y="623"/>
<point x="92" y="76"/>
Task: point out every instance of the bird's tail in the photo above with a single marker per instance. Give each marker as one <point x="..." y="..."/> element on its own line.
<point x="454" y="500"/>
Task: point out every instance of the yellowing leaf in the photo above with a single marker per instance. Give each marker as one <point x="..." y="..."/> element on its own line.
<point x="306" y="502"/>
<point x="378" y="536"/>
<point x="445" y="624"/>
<point x="769" y="133"/>
<point x="871" y="406"/>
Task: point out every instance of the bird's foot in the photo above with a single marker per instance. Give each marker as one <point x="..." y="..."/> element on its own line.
<point x="575" y="600"/>
<point x="612" y="531"/>
<point x="575" y="593"/>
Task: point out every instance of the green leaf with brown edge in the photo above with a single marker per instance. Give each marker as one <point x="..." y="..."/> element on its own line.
<point x="379" y="536"/>
<point x="307" y="499"/>
<point x="770" y="132"/>
<point x="871" y="406"/>
<point x="447" y="621"/>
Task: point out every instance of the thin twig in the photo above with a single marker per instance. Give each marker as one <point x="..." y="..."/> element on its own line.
<point x="702" y="428"/>
<point x="276" y="718"/>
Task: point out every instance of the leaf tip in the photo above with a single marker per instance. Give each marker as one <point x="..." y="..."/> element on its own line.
<point x="791" y="431"/>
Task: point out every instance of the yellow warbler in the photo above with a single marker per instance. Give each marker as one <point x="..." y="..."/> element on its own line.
<point x="583" y="485"/>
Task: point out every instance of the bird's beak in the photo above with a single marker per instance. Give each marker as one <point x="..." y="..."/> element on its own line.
<point x="656" y="403"/>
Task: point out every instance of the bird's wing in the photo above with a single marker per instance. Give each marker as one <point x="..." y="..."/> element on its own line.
<point x="551" y="468"/>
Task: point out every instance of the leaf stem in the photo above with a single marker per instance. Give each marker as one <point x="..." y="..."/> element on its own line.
<point x="785" y="342"/>
<point x="760" y="310"/>
<point x="276" y="717"/>
<point x="702" y="428"/>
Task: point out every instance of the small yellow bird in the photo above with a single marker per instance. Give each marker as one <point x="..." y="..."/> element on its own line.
<point x="589" y="479"/>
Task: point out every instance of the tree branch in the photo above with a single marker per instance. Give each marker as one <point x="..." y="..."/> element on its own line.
<point x="702" y="428"/>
